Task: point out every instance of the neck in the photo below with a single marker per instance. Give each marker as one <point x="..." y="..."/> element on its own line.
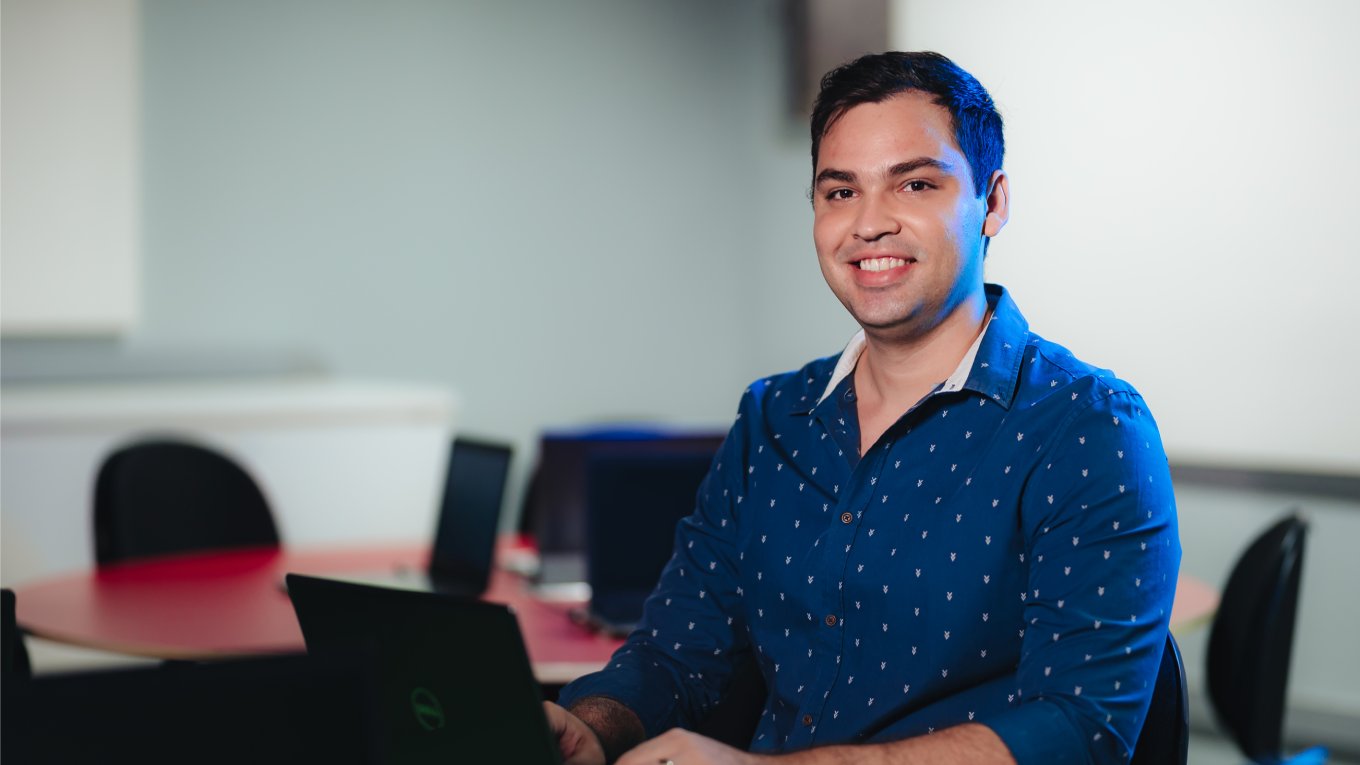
<point x="898" y="372"/>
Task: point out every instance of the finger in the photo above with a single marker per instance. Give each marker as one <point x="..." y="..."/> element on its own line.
<point x="568" y="737"/>
<point x="557" y="717"/>
<point x="654" y="751"/>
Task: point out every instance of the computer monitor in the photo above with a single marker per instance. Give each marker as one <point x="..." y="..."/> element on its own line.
<point x="555" y="505"/>
<point x="635" y="502"/>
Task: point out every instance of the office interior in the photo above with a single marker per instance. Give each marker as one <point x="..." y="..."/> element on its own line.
<point x="511" y="216"/>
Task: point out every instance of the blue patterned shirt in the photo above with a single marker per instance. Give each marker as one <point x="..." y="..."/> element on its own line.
<point x="1006" y="553"/>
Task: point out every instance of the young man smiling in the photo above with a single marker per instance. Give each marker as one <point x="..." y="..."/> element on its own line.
<point x="952" y="542"/>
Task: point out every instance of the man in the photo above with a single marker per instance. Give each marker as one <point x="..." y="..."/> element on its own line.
<point x="953" y="542"/>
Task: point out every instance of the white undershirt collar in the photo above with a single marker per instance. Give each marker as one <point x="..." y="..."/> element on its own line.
<point x="855" y="348"/>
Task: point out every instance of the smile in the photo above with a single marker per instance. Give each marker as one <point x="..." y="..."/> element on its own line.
<point x="880" y="264"/>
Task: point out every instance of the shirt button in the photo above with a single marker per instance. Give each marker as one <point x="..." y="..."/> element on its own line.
<point x="807" y="720"/>
<point x="847" y="517"/>
<point x="831" y="620"/>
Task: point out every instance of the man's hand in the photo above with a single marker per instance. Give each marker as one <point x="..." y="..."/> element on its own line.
<point x="578" y="743"/>
<point x="683" y="747"/>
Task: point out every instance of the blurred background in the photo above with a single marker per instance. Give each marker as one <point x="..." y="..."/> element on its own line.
<point x="327" y="233"/>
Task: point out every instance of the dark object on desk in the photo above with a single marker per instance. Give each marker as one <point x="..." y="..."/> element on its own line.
<point x="634" y="502"/>
<point x="1252" y="637"/>
<point x="160" y="497"/>
<point x="272" y="710"/>
<point x="456" y="684"/>
<point x="555" y="505"/>
<point x="15" y="664"/>
<point x="465" y="535"/>
<point x="1165" y="738"/>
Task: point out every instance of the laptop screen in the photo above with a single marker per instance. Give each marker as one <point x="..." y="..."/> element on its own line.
<point x="465" y="540"/>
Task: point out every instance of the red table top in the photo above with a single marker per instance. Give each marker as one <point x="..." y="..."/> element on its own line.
<point x="231" y="603"/>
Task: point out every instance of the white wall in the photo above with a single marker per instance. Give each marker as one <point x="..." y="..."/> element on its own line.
<point x="1182" y="177"/>
<point x="70" y="171"/>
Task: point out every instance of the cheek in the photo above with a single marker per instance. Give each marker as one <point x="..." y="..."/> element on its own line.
<point x="942" y="231"/>
<point x="827" y="233"/>
<point x="824" y="247"/>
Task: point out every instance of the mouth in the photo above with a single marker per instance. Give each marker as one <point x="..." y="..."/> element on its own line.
<point x="885" y="263"/>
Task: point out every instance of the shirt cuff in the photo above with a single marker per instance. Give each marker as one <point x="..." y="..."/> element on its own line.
<point x="655" y="710"/>
<point x="1039" y="732"/>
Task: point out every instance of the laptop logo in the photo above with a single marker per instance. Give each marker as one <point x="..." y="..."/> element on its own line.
<point x="428" y="711"/>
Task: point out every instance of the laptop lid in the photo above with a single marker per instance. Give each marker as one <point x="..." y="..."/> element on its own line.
<point x="469" y="514"/>
<point x="634" y="501"/>
<point x="455" y="681"/>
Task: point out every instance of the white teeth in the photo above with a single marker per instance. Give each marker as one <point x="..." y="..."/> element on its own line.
<point x="881" y="264"/>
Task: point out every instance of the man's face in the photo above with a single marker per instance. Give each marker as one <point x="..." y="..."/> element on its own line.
<point x="898" y="229"/>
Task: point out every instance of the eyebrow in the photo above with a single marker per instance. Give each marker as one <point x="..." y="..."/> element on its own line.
<point x="901" y="168"/>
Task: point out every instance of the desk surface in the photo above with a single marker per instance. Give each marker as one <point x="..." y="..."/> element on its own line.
<point x="232" y="604"/>
<point x="1195" y="604"/>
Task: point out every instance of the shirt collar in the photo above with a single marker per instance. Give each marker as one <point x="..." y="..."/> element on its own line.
<point x="990" y="366"/>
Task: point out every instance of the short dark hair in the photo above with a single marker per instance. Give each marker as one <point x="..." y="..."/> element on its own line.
<point x="879" y="76"/>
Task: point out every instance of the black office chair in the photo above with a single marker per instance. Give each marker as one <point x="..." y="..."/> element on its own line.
<point x="14" y="663"/>
<point x="276" y="709"/>
<point x="159" y="497"/>
<point x="1165" y="738"/>
<point x="1251" y="639"/>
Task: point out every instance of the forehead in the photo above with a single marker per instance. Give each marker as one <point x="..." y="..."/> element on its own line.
<point x="873" y="135"/>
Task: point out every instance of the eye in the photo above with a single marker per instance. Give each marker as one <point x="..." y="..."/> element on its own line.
<point x="917" y="185"/>
<point x="836" y="195"/>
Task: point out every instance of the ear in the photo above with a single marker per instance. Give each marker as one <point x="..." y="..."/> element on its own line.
<point x="998" y="204"/>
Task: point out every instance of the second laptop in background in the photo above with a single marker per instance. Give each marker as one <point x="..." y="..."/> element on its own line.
<point x="465" y="536"/>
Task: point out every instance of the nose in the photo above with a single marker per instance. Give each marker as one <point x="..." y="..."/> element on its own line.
<point x="875" y="219"/>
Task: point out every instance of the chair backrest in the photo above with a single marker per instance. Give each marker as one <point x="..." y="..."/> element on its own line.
<point x="160" y="497"/>
<point x="14" y="663"/>
<point x="1252" y="636"/>
<point x="1165" y="738"/>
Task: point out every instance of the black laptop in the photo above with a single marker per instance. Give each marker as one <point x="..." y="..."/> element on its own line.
<point x="465" y="537"/>
<point x="455" y="683"/>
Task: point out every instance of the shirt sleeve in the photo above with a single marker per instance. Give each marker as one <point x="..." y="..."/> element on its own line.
<point x="1100" y="519"/>
<point x="675" y="666"/>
